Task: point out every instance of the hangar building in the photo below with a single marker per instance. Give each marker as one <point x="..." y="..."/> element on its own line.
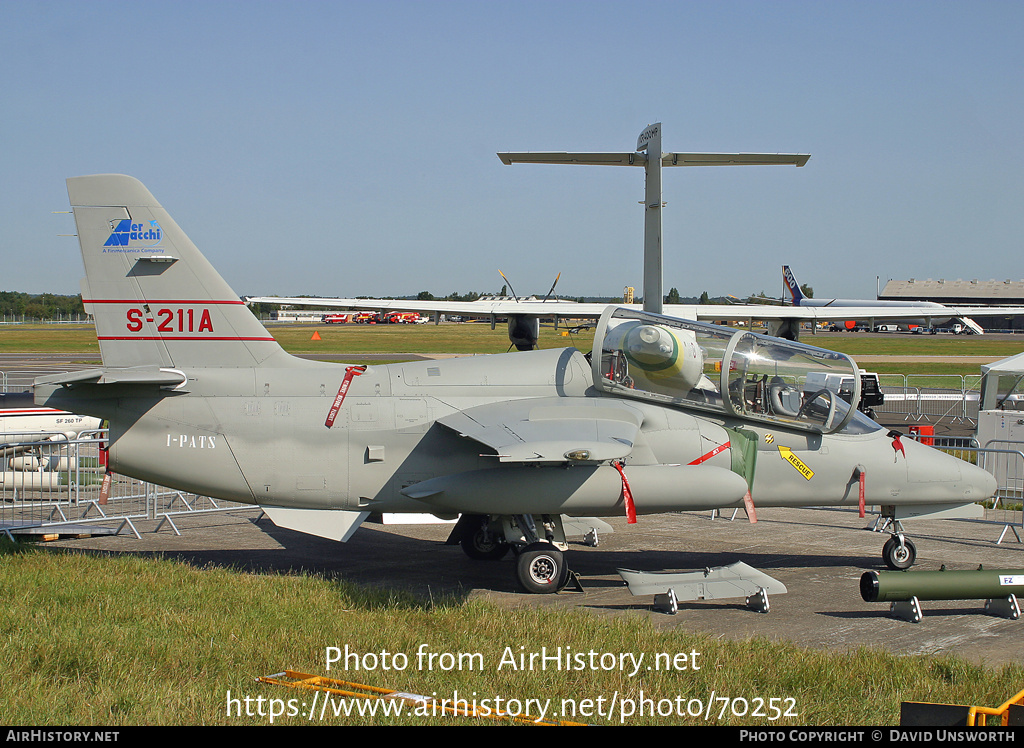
<point x="964" y="292"/>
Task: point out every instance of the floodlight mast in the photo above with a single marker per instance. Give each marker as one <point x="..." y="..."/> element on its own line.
<point x="650" y="141"/>
<point x="653" y="160"/>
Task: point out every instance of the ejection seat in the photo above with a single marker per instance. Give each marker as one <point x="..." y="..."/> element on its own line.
<point x="785" y="398"/>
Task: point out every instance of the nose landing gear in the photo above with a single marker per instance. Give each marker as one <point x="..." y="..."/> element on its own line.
<point x="899" y="552"/>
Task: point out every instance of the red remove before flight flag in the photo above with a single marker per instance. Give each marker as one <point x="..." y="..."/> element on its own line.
<point x="108" y="479"/>
<point x="351" y="371"/>
<point x="897" y="445"/>
<point x="748" y="507"/>
<point x="861" y="479"/>
<point x="627" y="495"/>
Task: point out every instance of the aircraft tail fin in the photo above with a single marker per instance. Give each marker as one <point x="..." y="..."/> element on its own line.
<point x="155" y="298"/>
<point x="789" y="280"/>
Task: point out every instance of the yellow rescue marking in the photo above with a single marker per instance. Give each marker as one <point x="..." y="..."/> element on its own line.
<point x="787" y="454"/>
<point x="768" y="438"/>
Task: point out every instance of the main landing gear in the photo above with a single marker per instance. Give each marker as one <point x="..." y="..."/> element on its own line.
<point x="479" y="543"/>
<point x="541" y="568"/>
<point x="538" y="543"/>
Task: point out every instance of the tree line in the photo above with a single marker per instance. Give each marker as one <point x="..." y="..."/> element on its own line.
<point x="16" y="304"/>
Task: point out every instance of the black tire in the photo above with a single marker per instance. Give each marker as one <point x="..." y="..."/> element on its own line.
<point x="541" y="568"/>
<point x="899" y="557"/>
<point x="481" y="545"/>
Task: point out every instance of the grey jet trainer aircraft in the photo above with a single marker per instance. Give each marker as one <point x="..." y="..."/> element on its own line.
<point x="663" y="414"/>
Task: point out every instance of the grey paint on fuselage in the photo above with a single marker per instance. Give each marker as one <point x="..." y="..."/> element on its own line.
<point x="201" y="398"/>
<point x="266" y="442"/>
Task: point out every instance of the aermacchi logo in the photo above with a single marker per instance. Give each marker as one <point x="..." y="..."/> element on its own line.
<point x="133" y="236"/>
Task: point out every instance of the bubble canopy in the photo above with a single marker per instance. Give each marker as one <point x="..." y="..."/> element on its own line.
<point x="720" y="369"/>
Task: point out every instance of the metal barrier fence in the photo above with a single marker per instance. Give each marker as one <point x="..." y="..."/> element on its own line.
<point x="1006" y="465"/>
<point x="1005" y="461"/>
<point x="905" y="395"/>
<point x="48" y="483"/>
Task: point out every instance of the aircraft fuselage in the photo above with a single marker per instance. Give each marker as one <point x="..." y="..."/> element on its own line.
<point x="259" y="436"/>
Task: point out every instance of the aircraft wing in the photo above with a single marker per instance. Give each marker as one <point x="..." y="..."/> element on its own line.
<point x="698" y="312"/>
<point x="589" y="159"/>
<point x="545" y="430"/>
<point x="667" y="159"/>
<point x="481" y="308"/>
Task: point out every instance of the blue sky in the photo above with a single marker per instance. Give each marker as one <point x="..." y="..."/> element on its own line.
<point x="339" y="148"/>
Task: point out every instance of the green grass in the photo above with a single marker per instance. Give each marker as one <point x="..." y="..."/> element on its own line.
<point x="951" y="366"/>
<point x="479" y="338"/>
<point x="76" y="339"/>
<point x="915" y="345"/>
<point x="122" y="640"/>
<point x="296" y="338"/>
<point x="928" y="374"/>
<point x="448" y="338"/>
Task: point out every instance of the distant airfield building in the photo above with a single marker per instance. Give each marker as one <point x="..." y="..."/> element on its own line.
<point x="288" y="314"/>
<point x="966" y="292"/>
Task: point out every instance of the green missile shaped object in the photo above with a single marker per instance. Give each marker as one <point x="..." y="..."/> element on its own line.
<point x="980" y="584"/>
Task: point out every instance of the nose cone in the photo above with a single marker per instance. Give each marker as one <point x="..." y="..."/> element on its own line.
<point x="946" y="478"/>
<point x="981" y="482"/>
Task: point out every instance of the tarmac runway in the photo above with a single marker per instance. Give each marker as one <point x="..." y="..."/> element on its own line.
<point x="818" y="554"/>
<point x="19" y="370"/>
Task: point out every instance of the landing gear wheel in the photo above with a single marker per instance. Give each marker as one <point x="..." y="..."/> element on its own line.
<point x="541" y="568"/>
<point x="481" y="545"/>
<point x="899" y="556"/>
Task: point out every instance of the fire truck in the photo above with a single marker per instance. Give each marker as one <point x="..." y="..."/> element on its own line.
<point x="402" y="318"/>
